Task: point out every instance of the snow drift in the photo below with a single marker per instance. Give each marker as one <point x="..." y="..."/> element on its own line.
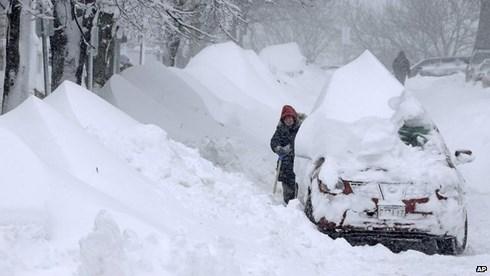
<point x="74" y="187"/>
<point x="179" y="104"/>
<point x="286" y="58"/>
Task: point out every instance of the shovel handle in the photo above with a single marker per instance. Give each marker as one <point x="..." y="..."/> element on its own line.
<point x="278" y="169"/>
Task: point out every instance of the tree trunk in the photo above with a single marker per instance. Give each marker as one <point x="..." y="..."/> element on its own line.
<point x="57" y="43"/>
<point x="12" y="53"/>
<point x="173" y="48"/>
<point x="483" y="33"/>
<point x="87" y="23"/>
<point x="65" y="57"/>
<point x="103" y="61"/>
<point x="21" y="48"/>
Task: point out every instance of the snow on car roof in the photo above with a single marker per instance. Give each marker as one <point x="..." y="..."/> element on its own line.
<point x="355" y="91"/>
<point x="356" y="125"/>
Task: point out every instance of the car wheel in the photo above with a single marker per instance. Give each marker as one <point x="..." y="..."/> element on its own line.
<point x="461" y="247"/>
<point x="452" y="246"/>
<point x="309" y="207"/>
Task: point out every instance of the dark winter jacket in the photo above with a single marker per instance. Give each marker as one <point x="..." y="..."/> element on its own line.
<point x="284" y="136"/>
<point x="401" y="67"/>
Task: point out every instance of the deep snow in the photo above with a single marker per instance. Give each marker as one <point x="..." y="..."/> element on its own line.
<point x="87" y="190"/>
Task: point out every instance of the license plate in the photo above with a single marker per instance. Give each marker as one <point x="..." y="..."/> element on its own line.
<point x="391" y="211"/>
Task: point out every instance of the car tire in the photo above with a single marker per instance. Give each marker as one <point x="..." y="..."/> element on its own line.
<point x="452" y="246"/>
<point x="309" y="207"/>
<point x="461" y="247"/>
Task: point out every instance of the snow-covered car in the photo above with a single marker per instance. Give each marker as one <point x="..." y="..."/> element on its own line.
<point x="482" y="73"/>
<point x="380" y="171"/>
<point x="401" y="215"/>
<point x="437" y="67"/>
<point x="476" y="63"/>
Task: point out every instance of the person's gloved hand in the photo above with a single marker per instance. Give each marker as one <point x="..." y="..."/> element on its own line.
<point x="301" y="117"/>
<point x="282" y="151"/>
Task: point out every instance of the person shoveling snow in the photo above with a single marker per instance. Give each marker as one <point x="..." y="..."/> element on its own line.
<point x="282" y="143"/>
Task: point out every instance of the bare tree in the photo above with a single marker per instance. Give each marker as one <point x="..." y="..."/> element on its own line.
<point x="18" y="53"/>
<point x="310" y="24"/>
<point x="421" y="28"/>
<point x="12" y="53"/>
<point x="72" y="22"/>
<point x="483" y="35"/>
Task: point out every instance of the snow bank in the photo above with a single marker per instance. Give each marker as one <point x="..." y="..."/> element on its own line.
<point x="80" y="106"/>
<point x="301" y="83"/>
<point x="70" y="151"/>
<point x="176" y="103"/>
<point x="283" y="57"/>
<point x="24" y="196"/>
<point x="243" y="68"/>
<point x="175" y="97"/>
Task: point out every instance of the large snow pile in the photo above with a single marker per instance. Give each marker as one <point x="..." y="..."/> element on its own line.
<point x="358" y="90"/>
<point x="301" y="82"/>
<point x="173" y="96"/>
<point x="243" y="68"/>
<point x="284" y="57"/>
<point x="99" y="199"/>
<point x="355" y="126"/>
<point x="220" y="104"/>
<point x="156" y="203"/>
<point x="223" y="132"/>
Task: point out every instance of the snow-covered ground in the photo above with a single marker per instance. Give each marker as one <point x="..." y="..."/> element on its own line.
<point x="88" y="190"/>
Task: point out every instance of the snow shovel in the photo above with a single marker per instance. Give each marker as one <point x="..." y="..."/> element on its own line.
<point x="278" y="169"/>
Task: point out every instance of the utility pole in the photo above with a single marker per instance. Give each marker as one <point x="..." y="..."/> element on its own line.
<point x="120" y="38"/>
<point x="45" y="28"/>
<point x="345" y="42"/>
<point x="94" y="46"/>
<point x="142" y="49"/>
<point x="116" y="59"/>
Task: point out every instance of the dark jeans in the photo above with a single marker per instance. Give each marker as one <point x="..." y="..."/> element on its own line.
<point x="289" y="190"/>
<point x="288" y="178"/>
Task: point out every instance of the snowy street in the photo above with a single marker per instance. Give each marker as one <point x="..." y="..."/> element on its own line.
<point x="186" y="215"/>
<point x="244" y="138"/>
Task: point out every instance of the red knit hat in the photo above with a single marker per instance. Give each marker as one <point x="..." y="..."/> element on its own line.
<point x="288" y="110"/>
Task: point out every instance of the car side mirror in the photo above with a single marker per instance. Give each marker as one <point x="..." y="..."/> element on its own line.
<point x="464" y="156"/>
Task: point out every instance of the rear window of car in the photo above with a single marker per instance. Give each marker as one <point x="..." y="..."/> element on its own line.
<point x="414" y="135"/>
